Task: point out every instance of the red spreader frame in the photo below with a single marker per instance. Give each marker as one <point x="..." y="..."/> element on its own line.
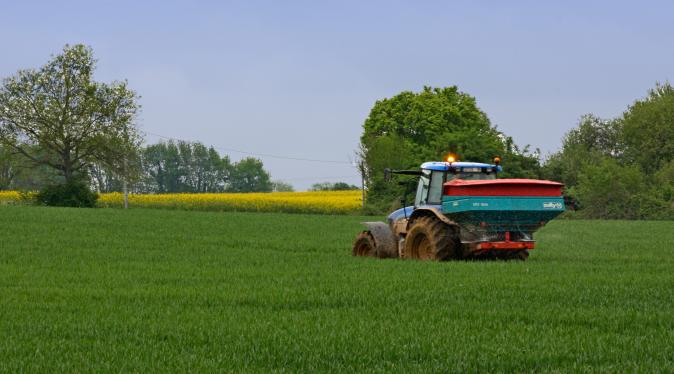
<point x="502" y="187"/>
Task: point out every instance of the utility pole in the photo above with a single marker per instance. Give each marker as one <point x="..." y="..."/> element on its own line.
<point x="361" y="168"/>
<point x="362" y="187"/>
<point x="125" y="187"/>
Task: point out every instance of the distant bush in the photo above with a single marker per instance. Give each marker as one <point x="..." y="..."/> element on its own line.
<point x="72" y="194"/>
<point x="329" y="186"/>
<point x="609" y="190"/>
<point x="280" y="186"/>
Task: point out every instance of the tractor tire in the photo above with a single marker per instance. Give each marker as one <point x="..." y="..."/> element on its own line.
<point x="430" y="239"/>
<point x="364" y="245"/>
<point x="521" y="255"/>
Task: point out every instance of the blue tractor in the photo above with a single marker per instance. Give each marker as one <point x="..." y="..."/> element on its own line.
<point x="462" y="211"/>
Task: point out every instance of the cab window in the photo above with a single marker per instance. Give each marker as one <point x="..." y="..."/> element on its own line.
<point x="472" y="173"/>
<point x="429" y="189"/>
<point x="422" y="189"/>
<point x="435" y="188"/>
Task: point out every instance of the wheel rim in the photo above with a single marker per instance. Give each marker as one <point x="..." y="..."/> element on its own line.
<point x="422" y="247"/>
<point x="425" y="249"/>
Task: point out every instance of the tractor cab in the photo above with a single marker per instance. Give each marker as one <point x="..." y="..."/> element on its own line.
<point x="435" y="174"/>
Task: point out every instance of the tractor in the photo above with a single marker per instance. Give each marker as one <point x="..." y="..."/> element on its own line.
<point x="462" y="211"/>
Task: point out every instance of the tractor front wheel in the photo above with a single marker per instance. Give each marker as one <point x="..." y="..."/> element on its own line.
<point x="430" y="239"/>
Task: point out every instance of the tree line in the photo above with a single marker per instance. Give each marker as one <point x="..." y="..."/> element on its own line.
<point x="621" y="167"/>
<point x="165" y="167"/>
<point x="179" y="166"/>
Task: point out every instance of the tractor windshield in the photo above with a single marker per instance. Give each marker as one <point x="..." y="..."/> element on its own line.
<point x="471" y="176"/>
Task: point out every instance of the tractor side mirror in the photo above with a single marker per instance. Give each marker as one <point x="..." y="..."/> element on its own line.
<point x="387" y="175"/>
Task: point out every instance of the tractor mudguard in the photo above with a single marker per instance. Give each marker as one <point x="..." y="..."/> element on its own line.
<point x="385" y="241"/>
<point x="426" y="211"/>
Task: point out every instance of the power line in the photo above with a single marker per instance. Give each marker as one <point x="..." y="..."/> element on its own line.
<point x="260" y="154"/>
<point x="274" y="156"/>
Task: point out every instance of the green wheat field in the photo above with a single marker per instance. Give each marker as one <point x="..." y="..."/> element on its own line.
<point x="108" y="290"/>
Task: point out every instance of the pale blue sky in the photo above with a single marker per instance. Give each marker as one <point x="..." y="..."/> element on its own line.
<point x="297" y="78"/>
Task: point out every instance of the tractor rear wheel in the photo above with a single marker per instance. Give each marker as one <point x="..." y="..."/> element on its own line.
<point x="515" y="256"/>
<point x="364" y="245"/>
<point x="521" y="255"/>
<point x="430" y="239"/>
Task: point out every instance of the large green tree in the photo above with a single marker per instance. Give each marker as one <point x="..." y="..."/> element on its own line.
<point x="410" y="128"/>
<point x="432" y="123"/>
<point x="248" y="175"/>
<point x="73" y="120"/>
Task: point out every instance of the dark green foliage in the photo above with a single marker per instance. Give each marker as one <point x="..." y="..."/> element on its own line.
<point x="69" y="194"/>
<point x="170" y="167"/>
<point x="520" y="163"/>
<point x="664" y="179"/>
<point x="178" y="166"/>
<point x="624" y="167"/>
<point x="106" y="290"/>
<point x="248" y="175"/>
<point x="165" y="167"/>
<point x="593" y="140"/>
<point x="585" y="148"/>
<point x="386" y="151"/>
<point x="609" y="190"/>
<point x="648" y="130"/>
<point x="333" y="186"/>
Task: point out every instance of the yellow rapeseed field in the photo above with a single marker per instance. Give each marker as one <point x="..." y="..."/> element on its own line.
<point x="323" y="202"/>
